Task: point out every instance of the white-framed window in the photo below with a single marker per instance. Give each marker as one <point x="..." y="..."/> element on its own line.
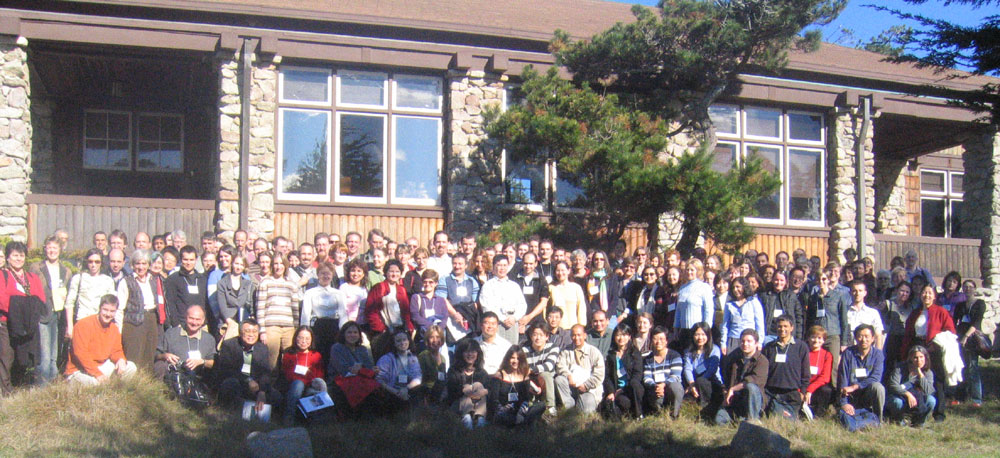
<point x="790" y="144"/>
<point x="941" y="203"/>
<point x="128" y="141"/>
<point x="375" y="138"/>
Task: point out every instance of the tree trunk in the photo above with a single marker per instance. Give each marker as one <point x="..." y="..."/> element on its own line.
<point x="689" y="238"/>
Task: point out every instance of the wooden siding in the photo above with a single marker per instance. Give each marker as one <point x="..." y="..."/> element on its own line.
<point x="635" y="237"/>
<point x="301" y="227"/>
<point x="772" y="241"/>
<point x="939" y="255"/>
<point x="82" y="216"/>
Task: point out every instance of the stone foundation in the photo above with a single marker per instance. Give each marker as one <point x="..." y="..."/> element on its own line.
<point x="15" y="137"/>
<point x="845" y="130"/>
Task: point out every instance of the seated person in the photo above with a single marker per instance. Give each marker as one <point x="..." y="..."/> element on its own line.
<point x="661" y="375"/>
<point x="557" y="335"/>
<point x="96" y="352"/>
<point x="911" y="388"/>
<point x="302" y="369"/>
<point x="623" y="389"/>
<point x="819" y="393"/>
<point x="542" y="360"/>
<point x="580" y="373"/>
<point x="599" y="335"/>
<point x="744" y="372"/>
<point x="434" y="365"/>
<point x="861" y="368"/>
<point x="243" y="369"/>
<point x="511" y="399"/>
<point x="348" y="356"/>
<point x="701" y="370"/>
<point x="188" y="346"/>
<point x="787" y="371"/>
<point x="399" y="374"/>
<point x="428" y="309"/>
<point x="467" y="394"/>
<point x="493" y="345"/>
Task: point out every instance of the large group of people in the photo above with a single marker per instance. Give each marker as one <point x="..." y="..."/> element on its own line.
<point x="505" y="334"/>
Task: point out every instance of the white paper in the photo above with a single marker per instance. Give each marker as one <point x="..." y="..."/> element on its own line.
<point x="579" y="374"/>
<point x="512" y="396"/>
<point x="250" y="412"/>
<point x="319" y="401"/>
<point x="820" y="313"/>
<point x="301" y="370"/>
<point x="461" y="291"/>
<point x="777" y="312"/>
<point x="594" y="290"/>
<point x="671" y="307"/>
<point x="193" y="289"/>
<point x="813" y="370"/>
<point x="245" y="369"/>
<point x="441" y="376"/>
<point x="528" y="290"/>
<point x="194" y="354"/>
<point x="807" y="411"/>
<point x="548" y="279"/>
<point x="780" y="358"/>
<point x="860" y="372"/>
<point x="659" y="377"/>
<point x="107" y="367"/>
<point x="401" y="379"/>
<point x="428" y="312"/>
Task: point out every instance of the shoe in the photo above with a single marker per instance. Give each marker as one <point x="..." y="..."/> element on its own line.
<point x="976" y="404"/>
<point x="955" y="402"/>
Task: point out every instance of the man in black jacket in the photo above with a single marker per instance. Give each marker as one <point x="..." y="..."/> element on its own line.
<point x="243" y="369"/>
<point x="788" y="371"/>
<point x="185" y="288"/>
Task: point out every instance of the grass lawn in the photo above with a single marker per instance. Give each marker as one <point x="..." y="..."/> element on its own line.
<point x="136" y="419"/>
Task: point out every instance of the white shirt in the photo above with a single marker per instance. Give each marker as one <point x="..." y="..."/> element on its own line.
<point x="503" y="297"/>
<point x="321" y="302"/>
<point x="441" y="265"/>
<point x="864" y="315"/>
<point x="493" y="353"/>
<point x="391" y="307"/>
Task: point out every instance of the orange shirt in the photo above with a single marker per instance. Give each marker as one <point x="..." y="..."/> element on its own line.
<point x="92" y="345"/>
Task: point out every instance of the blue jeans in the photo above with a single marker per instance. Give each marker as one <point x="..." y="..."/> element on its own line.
<point x="973" y="384"/>
<point x="295" y="391"/>
<point x="48" y="339"/>
<point x="749" y="399"/>
<point x="899" y="407"/>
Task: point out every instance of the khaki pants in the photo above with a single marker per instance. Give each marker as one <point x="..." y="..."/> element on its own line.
<point x="278" y="338"/>
<point x="83" y="378"/>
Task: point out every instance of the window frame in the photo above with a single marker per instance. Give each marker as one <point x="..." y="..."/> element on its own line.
<point x="337" y="160"/>
<point x="106" y="138"/>
<point x="948" y="197"/>
<point x="746" y="135"/>
<point x="782" y="160"/>
<point x="393" y="183"/>
<point x="821" y="143"/>
<point x="279" y="155"/>
<point x="329" y="86"/>
<point x="786" y="182"/>
<point x="386" y="93"/>
<point x="138" y="140"/>
<point x="394" y="83"/>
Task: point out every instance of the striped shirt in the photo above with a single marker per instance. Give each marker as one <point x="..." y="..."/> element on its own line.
<point x="544" y="360"/>
<point x="668" y="371"/>
<point x="278" y="302"/>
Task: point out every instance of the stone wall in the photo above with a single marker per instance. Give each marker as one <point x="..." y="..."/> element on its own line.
<point x="890" y="196"/>
<point x="474" y="178"/>
<point x="845" y="131"/>
<point x="982" y="193"/>
<point x="261" y="171"/>
<point x="15" y="137"/>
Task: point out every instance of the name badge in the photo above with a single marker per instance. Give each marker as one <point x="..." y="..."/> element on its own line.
<point x="671" y="307"/>
<point x="860" y="372"/>
<point x="245" y="369"/>
<point x="512" y="396"/>
<point x="440" y="376"/>
<point x="401" y="379"/>
<point x="966" y="319"/>
<point x="528" y="290"/>
<point x="301" y="370"/>
<point x="777" y="312"/>
<point x="594" y="290"/>
<point x="461" y="291"/>
<point x="659" y="377"/>
<point x="813" y="370"/>
<point x="780" y="358"/>
<point x="428" y="312"/>
<point x="820" y="313"/>
<point x="192" y="289"/>
<point x="548" y="279"/>
<point x="194" y="354"/>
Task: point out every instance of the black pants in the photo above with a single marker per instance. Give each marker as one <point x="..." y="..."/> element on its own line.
<point x="325" y="331"/>
<point x="6" y="361"/>
<point x="937" y="367"/>
<point x="821" y="399"/>
<point x="709" y="397"/>
<point x="628" y="401"/>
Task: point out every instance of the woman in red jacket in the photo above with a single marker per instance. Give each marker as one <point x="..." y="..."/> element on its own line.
<point x="16" y="282"/>
<point x="302" y="369"/>
<point x="819" y="393"/>
<point x="924" y="323"/>
<point x="387" y="309"/>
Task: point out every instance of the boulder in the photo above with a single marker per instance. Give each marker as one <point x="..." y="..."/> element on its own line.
<point x="288" y="442"/>
<point x="754" y="440"/>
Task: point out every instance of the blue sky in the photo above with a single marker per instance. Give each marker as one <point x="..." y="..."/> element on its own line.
<point x="866" y="22"/>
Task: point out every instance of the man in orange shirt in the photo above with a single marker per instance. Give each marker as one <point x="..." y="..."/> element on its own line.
<point x="97" y="353"/>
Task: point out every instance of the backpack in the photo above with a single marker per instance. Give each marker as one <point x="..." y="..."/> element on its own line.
<point x="187" y="387"/>
<point x="862" y="419"/>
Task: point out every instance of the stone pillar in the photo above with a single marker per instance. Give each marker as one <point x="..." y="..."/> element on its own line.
<point x="890" y="196"/>
<point x="474" y="177"/>
<point x="982" y="199"/>
<point x="261" y="171"/>
<point x="42" y="157"/>
<point x="15" y="137"/>
<point x="844" y="134"/>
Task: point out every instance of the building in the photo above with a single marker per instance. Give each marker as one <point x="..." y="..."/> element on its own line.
<point x="295" y="116"/>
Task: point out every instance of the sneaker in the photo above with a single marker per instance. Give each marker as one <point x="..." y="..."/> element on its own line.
<point x="955" y="402"/>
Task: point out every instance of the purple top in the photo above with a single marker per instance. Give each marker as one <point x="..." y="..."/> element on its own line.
<point x="428" y="311"/>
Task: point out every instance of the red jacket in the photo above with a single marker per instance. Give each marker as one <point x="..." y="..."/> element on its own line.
<point x="373" y="307"/>
<point x="938" y="320"/>
<point x="8" y="288"/>
<point x="824" y="361"/>
<point x="311" y="359"/>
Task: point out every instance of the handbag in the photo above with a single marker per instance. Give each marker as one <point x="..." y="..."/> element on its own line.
<point x="979" y="344"/>
<point x="862" y="419"/>
<point x="187" y="387"/>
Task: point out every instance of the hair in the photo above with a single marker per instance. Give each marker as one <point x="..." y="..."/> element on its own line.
<point x="421" y="251"/>
<point x="390" y="263"/>
<point x="698" y="266"/>
<point x="786" y="318"/>
<point x="324" y="266"/>
<point x="708" y="334"/>
<point x="434" y="329"/>
<point x="489" y="315"/>
<point x="90" y="252"/>
<point x="659" y="330"/>
<point x="52" y="239"/>
<point x="862" y="327"/>
<point x="817" y="330"/>
<point x="648" y="316"/>
<point x="251" y="321"/>
<point x="919" y="349"/>
<point x="622" y="328"/>
<point x="953" y="275"/>
<point x="188" y="249"/>
<point x="539" y="325"/>
<point x="294" y="348"/>
<point x="139" y="256"/>
<point x="522" y="361"/>
<point x="464" y="346"/>
<point x="343" y="332"/>
<point x="742" y="281"/>
<point x="500" y="257"/>
<point x="275" y="256"/>
<point x="554" y="309"/>
<point x="409" y="340"/>
<point x="177" y="234"/>
<point x="460" y="255"/>
<point x="855" y="282"/>
<point x="15" y="246"/>
<point x="356" y="263"/>
<point x="429" y="274"/>
<point x="750" y="332"/>
<point x="109" y="299"/>
<point x="337" y="246"/>
<point x="375" y="231"/>
<point x="403" y="248"/>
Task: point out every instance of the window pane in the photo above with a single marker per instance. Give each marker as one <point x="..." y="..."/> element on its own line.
<point x="804" y="187"/>
<point x="802" y="126"/>
<point x="95" y="153"/>
<point x="724" y="118"/>
<point x="763" y="123"/>
<point x="118" y="154"/>
<point x="118" y="126"/>
<point x="170" y="129"/>
<point x="304" y="151"/>
<point x="304" y="85"/>
<point x="171" y="156"/>
<point x="96" y="125"/>
<point x="768" y="207"/>
<point x="956" y="220"/>
<point x="525" y="183"/>
<point x="149" y="128"/>
<point x="361" y="153"/>
<point x="569" y="193"/>
<point x="416" y="167"/>
<point x="957" y="183"/>
<point x="931" y="218"/>
<point x="149" y="155"/>
<point x="725" y="157"/>
<point x="420" y="93"/>
<point x="932" y="181"/>
<point x="362" y="88"/>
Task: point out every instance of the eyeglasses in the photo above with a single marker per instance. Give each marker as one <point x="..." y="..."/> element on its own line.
<point x="93" y="261"/>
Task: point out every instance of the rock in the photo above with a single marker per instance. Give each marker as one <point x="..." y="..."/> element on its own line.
<point x="288" y="442"/>
<point x="753" y="440"/>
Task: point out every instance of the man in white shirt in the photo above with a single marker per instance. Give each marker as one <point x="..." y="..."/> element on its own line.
<point x="859" y="313"/>
<point x="439" y="260"/>
<point x="503" y="297"/>
<point x="494" y="347"/>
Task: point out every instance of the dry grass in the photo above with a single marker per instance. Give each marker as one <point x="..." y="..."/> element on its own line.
<point x="137" y="419"/>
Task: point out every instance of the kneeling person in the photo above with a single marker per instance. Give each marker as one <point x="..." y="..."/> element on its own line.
<point x="744" y="372"/>
<point x="661" y="375"/>
<point x="188" y="346"/>
<point x="96" y="353"/>
<point x="861" y="368"/>
<point x="244" y="369"/>
<point x="788" y="371"/>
